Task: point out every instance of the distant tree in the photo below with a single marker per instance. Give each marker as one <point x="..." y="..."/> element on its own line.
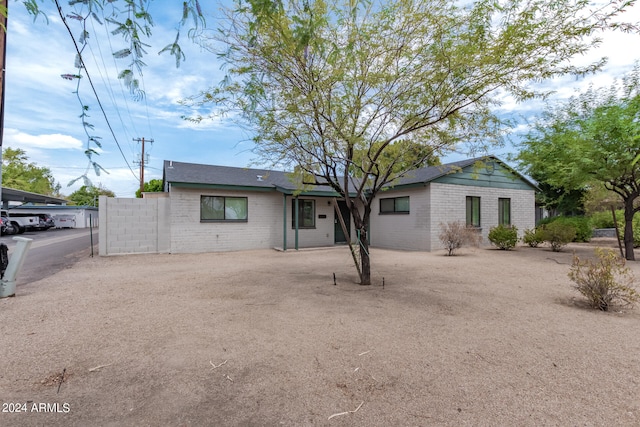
<point x="592" y="137"/>
<point x="346" y="90"/>
<point x="560" y="200"/>
<point x="89" y="196"/>
<point x="598" y="199"/>
<point x="18" y="173"/>
<point x="155" y="185"/>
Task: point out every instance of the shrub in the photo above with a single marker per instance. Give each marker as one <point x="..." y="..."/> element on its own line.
<point x="605" y="281"/>
<point x="503" y="236"/>
<point x="604" y="219"/>
<point x="581" y="224"/>
<point x="558" y="235"/>
<point x="456" y="234"/>
<point x="533" y="237"/>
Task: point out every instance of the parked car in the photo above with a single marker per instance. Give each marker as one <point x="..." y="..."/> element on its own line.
<point x="46" y="222"/>
<point x="6" y="227"/>
<point x="22" y="222"/>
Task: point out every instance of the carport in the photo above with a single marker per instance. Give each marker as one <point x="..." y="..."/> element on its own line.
<point x="13" y="195"/>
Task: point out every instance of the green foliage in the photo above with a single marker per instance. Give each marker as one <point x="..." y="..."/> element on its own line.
<point x="604" y="219"/>
<point x="89" y="195"/>
<point x="533" y="237"/>
<point x="593" y="137"/>
<point x="18" y="173"/>
<point x="559" y="200"/>
<point x="604" y="282"/>
<point x="503" y="237"/>
<point x="456" y="234"/>
<point x="580" y="224"/>
<point x="598" y="198"/>
<point x="155" y="185"/>
<point x="558" y="234"/>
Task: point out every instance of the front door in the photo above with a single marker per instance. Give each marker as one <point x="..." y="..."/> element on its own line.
<point x="338" y="233"/>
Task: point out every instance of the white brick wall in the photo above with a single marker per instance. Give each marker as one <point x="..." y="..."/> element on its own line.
<point x="402" y="231"/>
<point x="133" y="225"/>
<point x="173" y="224"/>
<point x="441" y="203"/>
<point x="448" y="203"/>
<point x="263" y="229"/>
<point x="188" y="234"/>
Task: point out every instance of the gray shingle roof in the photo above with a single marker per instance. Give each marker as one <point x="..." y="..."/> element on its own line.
<point x="193" y="173"/>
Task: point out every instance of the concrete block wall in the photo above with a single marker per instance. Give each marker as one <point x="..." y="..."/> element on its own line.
<point x="262" y="230"/>
<point x="130" y="226"/>
<point x="402" y="231"/>
<point x="448" y="203"/>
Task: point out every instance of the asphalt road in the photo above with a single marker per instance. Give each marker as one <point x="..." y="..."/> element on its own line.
<point x="52" y="250"/>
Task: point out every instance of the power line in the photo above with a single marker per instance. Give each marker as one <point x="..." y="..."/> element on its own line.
<point x="92" y="86"/>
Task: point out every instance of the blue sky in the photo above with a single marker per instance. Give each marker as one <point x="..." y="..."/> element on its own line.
<point x="41" y="110"/>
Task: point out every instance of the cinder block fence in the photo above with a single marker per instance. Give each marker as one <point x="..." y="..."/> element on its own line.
<point x="134" y="226"/>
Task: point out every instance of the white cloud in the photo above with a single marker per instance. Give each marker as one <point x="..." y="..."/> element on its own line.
<point x="18" y="139"/>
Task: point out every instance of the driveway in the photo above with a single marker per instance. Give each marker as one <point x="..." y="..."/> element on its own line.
<point x="51" y="251"/>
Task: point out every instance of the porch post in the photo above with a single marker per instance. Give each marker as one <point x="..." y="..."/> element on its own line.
<point x="296" y="217"/>
<point x="284" y="219"/>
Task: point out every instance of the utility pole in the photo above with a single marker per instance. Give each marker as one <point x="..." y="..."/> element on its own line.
<point x="143" y="161"/>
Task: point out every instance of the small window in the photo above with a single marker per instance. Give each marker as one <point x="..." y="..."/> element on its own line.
<point x="504" y="211"/>
<point x="306" y="213"/>
<point x="218" y="208"/>
<point x="394" y="205"/>
<point x="473" y="211"/>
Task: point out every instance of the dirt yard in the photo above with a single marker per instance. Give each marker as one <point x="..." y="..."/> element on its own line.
<point x="265" y="338"/>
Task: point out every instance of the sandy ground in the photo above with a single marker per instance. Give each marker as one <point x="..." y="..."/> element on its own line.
<point x="265" y="338"/>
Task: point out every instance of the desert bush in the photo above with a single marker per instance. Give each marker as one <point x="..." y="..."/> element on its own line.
<point x="604" y="219"/>
<point x="504" y="237"/>
<point x="584" y="231"/>
<point x="456" y="234"/>
<point x="533" y="237"/>
<point x="581" y="224"/>
<point x="558" y="235"/>
<point x="604" y="282"/>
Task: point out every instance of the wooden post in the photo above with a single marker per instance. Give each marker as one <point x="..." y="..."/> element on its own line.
<point x="615" y="224"/>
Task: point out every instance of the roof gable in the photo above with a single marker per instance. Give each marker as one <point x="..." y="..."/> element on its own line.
<point x="486" y="171"/>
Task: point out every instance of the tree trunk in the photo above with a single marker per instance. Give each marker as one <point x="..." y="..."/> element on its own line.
<point x="361" y="222"/>
<point x="628" y="229"/>
<point x="364" y="257"/>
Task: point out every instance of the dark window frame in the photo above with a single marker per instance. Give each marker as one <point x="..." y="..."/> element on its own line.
<point x="502" y="202"/>
<point x="301" y="225"/>
<point x="470" y="209"/>
<point x="396" y="209"/>
<point x="224" y="198"/>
